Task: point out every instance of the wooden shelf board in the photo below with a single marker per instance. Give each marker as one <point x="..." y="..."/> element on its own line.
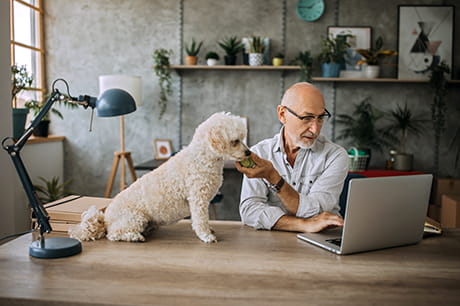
<point x="233" y="67"/>
<point x="50" y="138"/>
<point x="294" y="68"/>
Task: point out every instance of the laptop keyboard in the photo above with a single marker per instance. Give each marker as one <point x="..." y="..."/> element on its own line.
<point x="336" y="241"/>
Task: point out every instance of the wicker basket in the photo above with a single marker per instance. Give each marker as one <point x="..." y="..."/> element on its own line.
<point x="357" y="162"/>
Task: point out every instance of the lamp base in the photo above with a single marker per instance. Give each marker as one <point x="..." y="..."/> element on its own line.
<point x="55" y="247"/>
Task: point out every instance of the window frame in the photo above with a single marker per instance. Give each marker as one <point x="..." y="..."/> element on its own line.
<point x="40" y="74"/>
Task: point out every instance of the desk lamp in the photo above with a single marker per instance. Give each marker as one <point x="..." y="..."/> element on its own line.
<point x="132" y="85"/>
<point x="113" y="102"/>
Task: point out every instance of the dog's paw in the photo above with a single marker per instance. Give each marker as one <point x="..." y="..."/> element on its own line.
<point x="207" y="237"/>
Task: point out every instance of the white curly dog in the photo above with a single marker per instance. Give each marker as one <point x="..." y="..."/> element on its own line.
<point x="181" y="187"/>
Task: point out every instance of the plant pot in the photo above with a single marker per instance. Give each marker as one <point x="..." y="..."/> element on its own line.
<point x="230" y="60"/>
<point x="330" y="70"/>
<point x="42" y="129"/>
<point x="191" y="60"/>
<point x="372" y="71"/>
<point x="277" y="61"/>
<point x="211" y="61"/>
<point x="19" y="121"/>
<point x="403" y="162"/>
<point x="256" y="59"/>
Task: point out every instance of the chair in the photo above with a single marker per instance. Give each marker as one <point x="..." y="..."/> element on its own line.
<point x="344" y="194"/>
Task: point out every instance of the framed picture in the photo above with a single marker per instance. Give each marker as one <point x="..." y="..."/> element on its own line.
<point x="162" y="148"/>
<point x="361" y="38"/>
<point x="425" y="39"/>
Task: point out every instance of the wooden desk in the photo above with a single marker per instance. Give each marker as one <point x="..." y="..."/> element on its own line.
<point x="246" y="267"/>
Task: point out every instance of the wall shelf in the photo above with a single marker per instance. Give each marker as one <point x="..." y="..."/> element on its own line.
<point x="294" y="68"/>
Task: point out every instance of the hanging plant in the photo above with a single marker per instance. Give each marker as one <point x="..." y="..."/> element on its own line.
<point x="163" y="72"/>
<point x="438" y="83"/>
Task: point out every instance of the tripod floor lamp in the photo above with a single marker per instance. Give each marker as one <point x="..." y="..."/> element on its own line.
<point x="132" y="85"/>
<point x="113" y="102"/>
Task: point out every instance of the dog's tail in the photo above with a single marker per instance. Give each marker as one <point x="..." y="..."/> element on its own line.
<point x="91" y="227"/>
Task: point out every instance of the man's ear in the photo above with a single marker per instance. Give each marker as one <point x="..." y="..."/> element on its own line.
<point x="216" y="139"/>
<point x="281" y="114"/>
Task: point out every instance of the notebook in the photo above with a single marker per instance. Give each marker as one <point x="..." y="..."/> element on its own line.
<point x="381" y="212"/>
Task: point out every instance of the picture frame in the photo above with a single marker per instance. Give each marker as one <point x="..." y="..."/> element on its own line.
<point x="425" y="38"/>
<point x="361" y="39"/>
<point x="162" y="148"/>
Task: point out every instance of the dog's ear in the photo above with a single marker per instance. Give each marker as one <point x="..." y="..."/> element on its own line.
<point x="216" y="139"/>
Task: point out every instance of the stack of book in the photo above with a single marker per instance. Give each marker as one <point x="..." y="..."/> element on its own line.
<point x="66" y="212"/>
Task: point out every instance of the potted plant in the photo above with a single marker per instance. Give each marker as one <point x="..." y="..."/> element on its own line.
<point x="192" y="51"/>
<point x="372" y="58"/>
<point x="163" y="72"/>
<point x="42" y="130"/>
<point x="332" y="55"/>
<point x="256" y="51"/>
<point x="361" y="128"/>
<point x="212" y="58"/>
<point x="305" y="61"/>
<point x="403" y="122"/>
<point x="52" y="190"/>
<point x="278" y="59"/>
<point x="438" y="83"/>
<point x="231" y="46"/>
<point x="20" y="81"/>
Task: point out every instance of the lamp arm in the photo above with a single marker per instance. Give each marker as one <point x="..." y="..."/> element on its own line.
<point x="14" y="152"/>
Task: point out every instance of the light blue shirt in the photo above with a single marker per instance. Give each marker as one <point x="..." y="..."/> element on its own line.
<point x="318" y="176"/>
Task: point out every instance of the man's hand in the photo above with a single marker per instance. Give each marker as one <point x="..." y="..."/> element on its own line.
<point x="263" y="169"/>
<point x="311" y="225"/>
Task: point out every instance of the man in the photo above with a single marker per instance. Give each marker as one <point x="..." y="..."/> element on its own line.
<point x="299" y="174"/>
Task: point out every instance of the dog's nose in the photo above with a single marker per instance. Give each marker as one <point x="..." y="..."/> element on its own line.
<point x="247" y="153"/>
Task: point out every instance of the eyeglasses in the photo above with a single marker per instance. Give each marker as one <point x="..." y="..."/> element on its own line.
<point x="310" y="118"/>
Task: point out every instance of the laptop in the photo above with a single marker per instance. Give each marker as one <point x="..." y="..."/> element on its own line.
<point x="381" y="212"/>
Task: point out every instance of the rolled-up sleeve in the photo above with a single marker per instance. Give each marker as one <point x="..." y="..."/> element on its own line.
<point x="254" y="209"/>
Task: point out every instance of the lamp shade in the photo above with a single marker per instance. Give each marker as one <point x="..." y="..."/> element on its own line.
<point x="115" y="102"/>
<point x="130" y="84"/>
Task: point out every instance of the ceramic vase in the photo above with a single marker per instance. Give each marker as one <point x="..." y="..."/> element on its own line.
<point x="372" y="71"/>
<point x="211" y="61"/>
<point x="256" y="59"/>
<point x="191" y="60"/>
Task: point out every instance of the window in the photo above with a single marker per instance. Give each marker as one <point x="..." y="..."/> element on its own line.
<point x="27" y="44"/>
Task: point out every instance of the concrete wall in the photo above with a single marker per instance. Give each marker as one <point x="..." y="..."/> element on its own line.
<point x="7" y="179"/>
<point x="85" y="39"/>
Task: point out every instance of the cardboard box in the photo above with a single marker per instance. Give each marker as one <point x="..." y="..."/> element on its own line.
<point x="450" y="211"/>
<point x="69" y="209"/>
<point x="444" y="186"/>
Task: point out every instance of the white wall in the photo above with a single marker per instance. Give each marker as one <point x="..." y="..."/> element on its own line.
<point x="7" y="179"/>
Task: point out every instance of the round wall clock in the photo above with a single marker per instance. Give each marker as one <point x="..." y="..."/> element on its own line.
<point x="310" y="10"/>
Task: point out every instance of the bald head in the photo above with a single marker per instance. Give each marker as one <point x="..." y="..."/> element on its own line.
<point x="303" y="96"/>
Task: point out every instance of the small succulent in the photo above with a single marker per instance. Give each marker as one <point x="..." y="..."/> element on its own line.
<point x="231" y="45"/>
<point x="193" y="48"/>
<point x="212" y="55"/>
<point x="257" y="45"/>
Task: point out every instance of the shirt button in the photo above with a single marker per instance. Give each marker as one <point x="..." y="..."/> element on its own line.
<point x="293" y="183"/>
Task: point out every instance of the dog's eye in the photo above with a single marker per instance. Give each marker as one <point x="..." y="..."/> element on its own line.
<point x="235" y="142"/>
